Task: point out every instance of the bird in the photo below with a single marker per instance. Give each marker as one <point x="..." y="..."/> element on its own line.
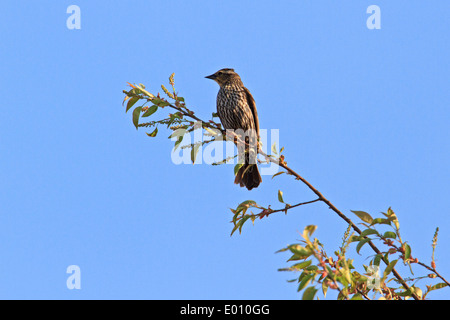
<point x="236" y="109"/>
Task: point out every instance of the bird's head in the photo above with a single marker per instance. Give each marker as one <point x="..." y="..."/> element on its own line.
<point x="224" y="76"/>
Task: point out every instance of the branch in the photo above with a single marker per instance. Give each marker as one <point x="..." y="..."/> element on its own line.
<point x="295" y="205"/>
<point x="363" y="294"/>
<point x="185" y="112"/>
<point x="434" y="271"/>
<point x="340" y="214"/>
<point x="313" y="189"/>
<point x="268" y="211"/>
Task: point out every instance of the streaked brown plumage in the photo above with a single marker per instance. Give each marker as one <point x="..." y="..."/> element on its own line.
<point x="237" y="111"/>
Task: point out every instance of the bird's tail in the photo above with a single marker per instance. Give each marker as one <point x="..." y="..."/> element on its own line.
<point x="248" y="176"/>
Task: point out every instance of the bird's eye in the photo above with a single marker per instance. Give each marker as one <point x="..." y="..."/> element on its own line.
<point x="220" y="73"/>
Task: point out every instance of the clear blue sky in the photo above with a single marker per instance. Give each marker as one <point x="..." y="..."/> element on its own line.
<point x="363" y="115"/>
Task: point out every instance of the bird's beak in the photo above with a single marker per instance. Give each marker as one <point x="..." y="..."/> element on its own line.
<point x="212" y="77"/>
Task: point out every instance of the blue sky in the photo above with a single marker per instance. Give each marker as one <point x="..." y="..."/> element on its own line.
<point x="363" y="115"/>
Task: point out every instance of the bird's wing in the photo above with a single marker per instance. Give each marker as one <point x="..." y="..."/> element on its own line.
<point x="252" y="105"/>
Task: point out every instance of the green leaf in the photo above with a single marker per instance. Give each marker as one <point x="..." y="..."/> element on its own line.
<point x="386" y="257"/>
<point x="150" y="111"/>
<point x="177" y="143"/>
<point x="136" y="114"/>
<point x="160" y="102"/>
<point x="242" y="207"/>
<point x="389" y="234"/>
<point x="368" y="232"/>
<point x="274" y="148"/>
<point x="236" y="226"/>
<point x="295" y="257"/>
<point x="437" y="286"/>
<point x="406" y="293"/>
<point x="242" y="221"/>
<point x="247" y="203"/>
<point x="393" y="218"/>
<point x="377" y="259"/>
<point x="135" y="91"/>
<point x="305" y="280"/>
<point x="126" y="97"/>
<point x="178" y="133"/>
<point x="194" y="152"/>
<point x="364" y="216"/>
<point x="309" y="293"/>
<point x="299" y="252"/>
<point x="154" y="133"/>
<point x="302" y="265"/>
<point x="237" y="167"/>
<point x="312" y="268"/>
<point x="324" y="288"/>
<point x="131" y="103"/>
<point x="357" y="296"/>
<point x="282" y="250"/>
<point x="380" y="221"/>
<point x="407" y="251"/>
<point x="361" y="243"/>
<point x="280" y="196"/>
<point x="309" y="230"/>
<point x="389" y="269"/>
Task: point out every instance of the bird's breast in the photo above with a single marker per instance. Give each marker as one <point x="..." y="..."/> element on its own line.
<point x="233" y="109"/>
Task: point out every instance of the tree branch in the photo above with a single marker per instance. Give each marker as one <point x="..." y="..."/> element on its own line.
<point x="269" y="211"/>
<point x="434" y="271"/>
<point x="182" y="109"/>
<point x="340" y="214"/>
<point x="312" y="188"/>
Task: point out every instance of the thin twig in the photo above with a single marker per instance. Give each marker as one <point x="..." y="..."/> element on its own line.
<point x="363" y="294"/>
<point x="434" y="271"/>
<point x="270" y="211"/>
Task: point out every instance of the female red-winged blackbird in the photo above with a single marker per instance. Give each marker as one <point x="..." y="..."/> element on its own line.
<point x="237" y="111"/>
